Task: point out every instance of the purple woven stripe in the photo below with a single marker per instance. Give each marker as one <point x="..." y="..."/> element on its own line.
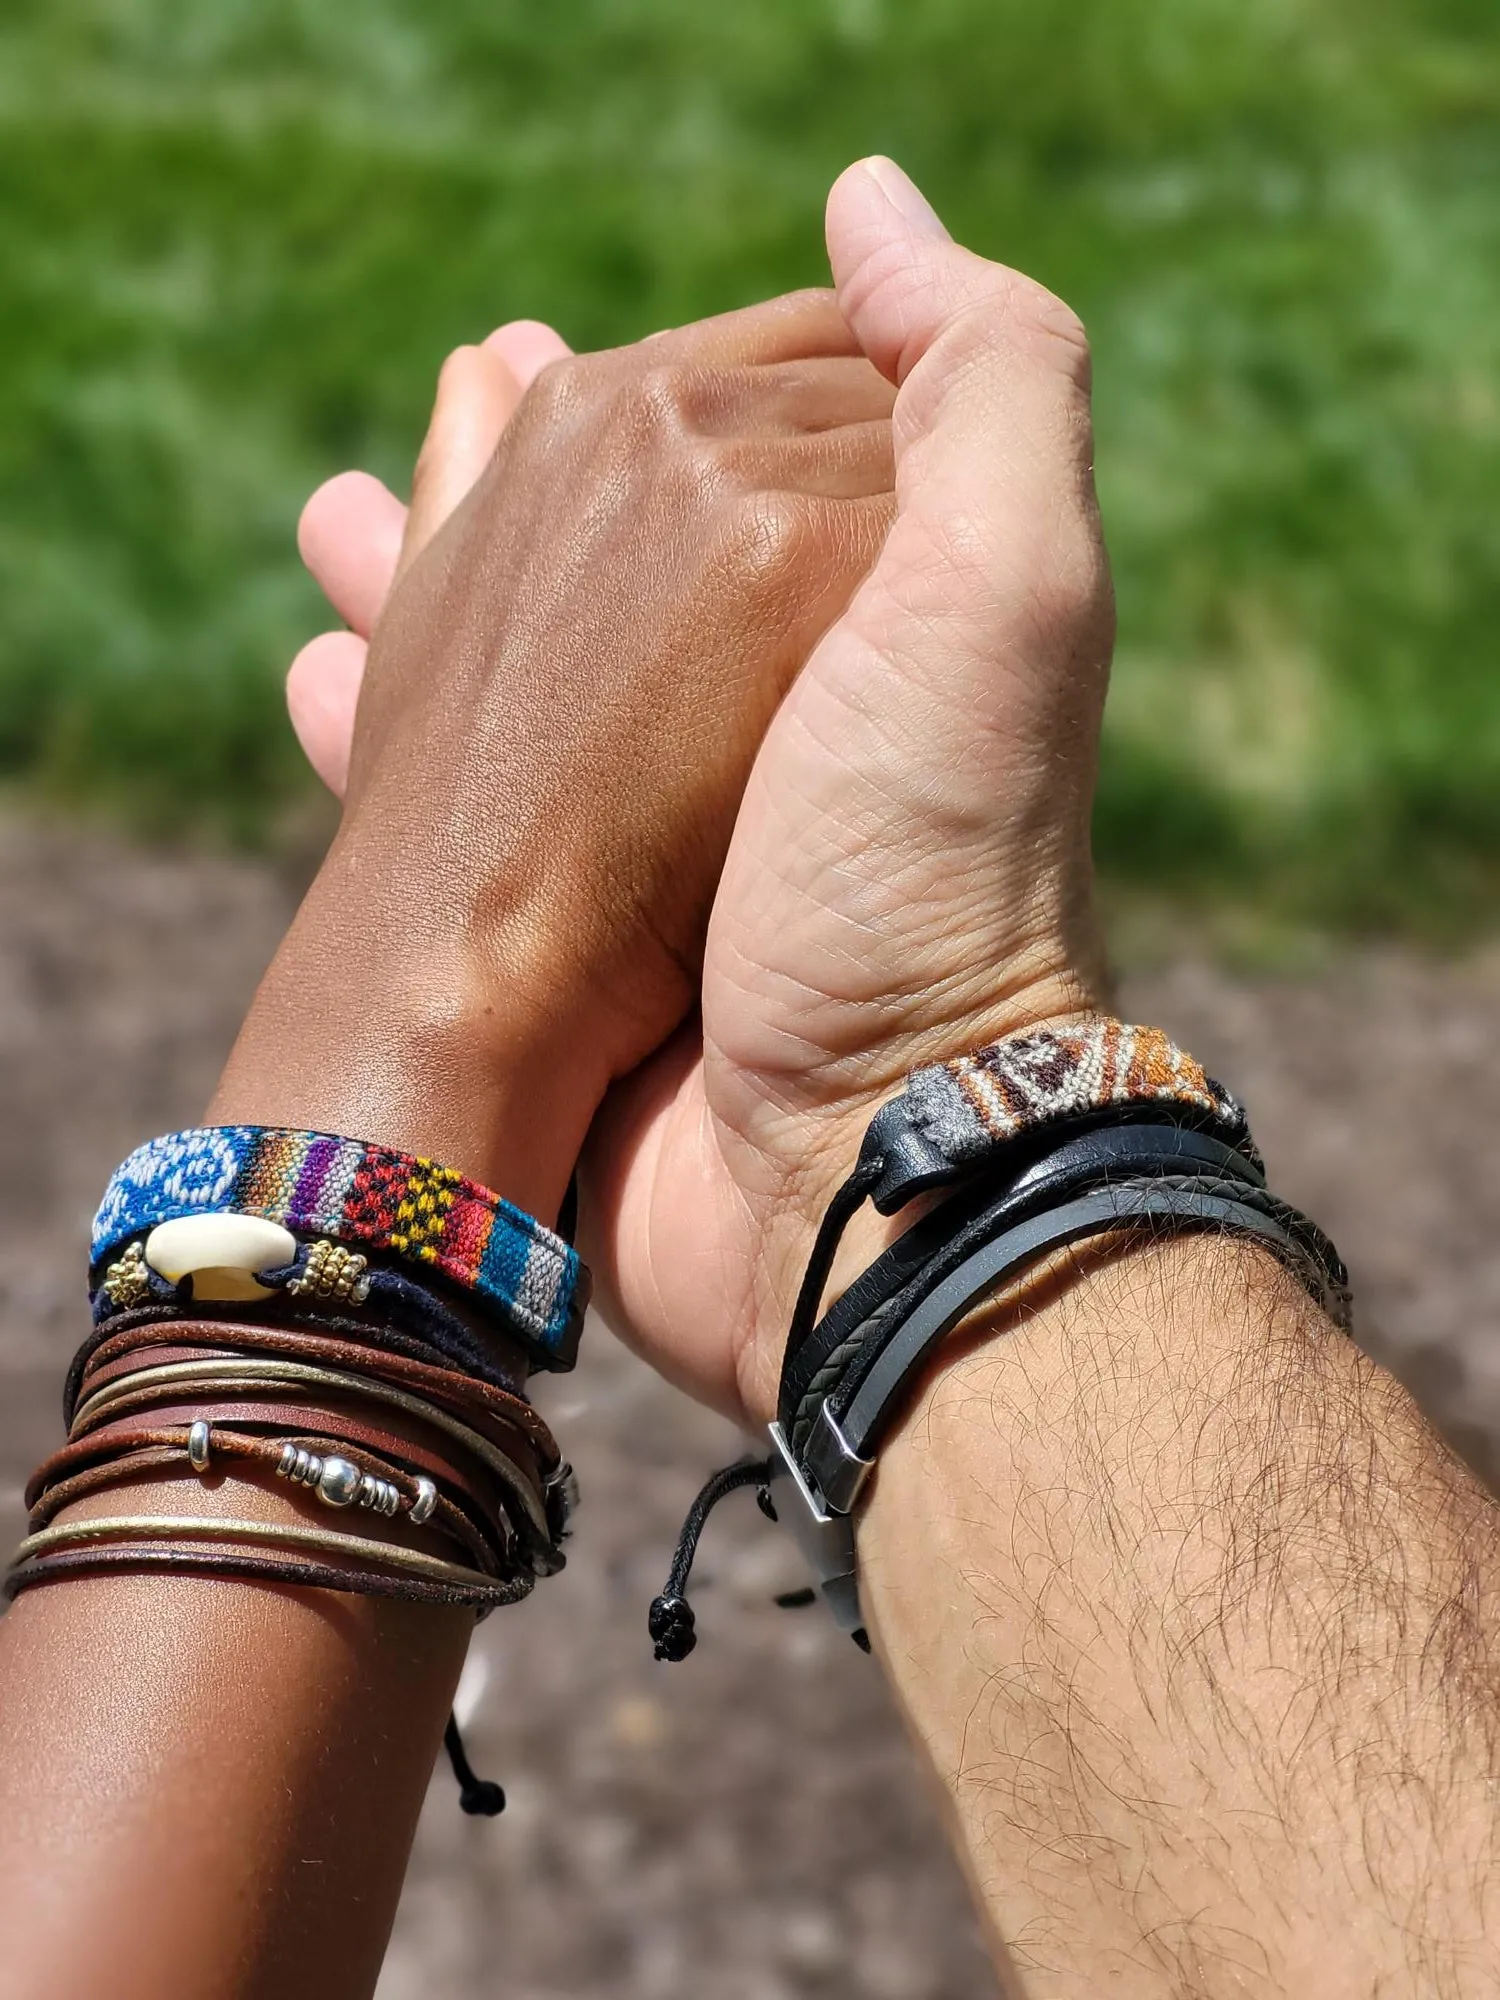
<point x="307" y="1203"/>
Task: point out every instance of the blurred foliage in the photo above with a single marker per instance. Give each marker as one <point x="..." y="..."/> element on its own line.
<point x="237" y="237"/>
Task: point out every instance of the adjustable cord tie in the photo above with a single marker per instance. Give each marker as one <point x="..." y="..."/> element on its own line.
<point x="481" y="1797"/>
<point x="670" y="1621"/>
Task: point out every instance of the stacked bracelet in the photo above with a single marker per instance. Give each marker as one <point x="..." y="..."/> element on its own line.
<point x="297" y="1308"/>
<point x="1047" y="1138"/>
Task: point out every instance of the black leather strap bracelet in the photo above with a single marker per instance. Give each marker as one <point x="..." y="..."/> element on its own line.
<point x="842" y="1430"/>
<point x="1049" y="1139"/>
<point x="1029" y="1179"/>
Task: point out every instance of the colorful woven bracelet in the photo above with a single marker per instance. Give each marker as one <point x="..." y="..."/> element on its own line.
<point x="952" y="1116"/>
<point x="973" y="1102"/>
<point x="424" y="1215"/>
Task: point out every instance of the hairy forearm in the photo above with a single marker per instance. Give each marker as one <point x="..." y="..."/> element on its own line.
<point x="1191" y="1611"/>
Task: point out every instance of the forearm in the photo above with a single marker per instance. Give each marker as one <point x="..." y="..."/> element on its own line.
<point x="1190" y="1610"/>
<point x="211" y="1786"/>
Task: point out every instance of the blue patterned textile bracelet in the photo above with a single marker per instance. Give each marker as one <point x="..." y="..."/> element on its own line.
<point x="317" y="1185"/>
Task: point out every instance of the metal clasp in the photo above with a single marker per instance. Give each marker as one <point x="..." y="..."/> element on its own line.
<point x="825" y="1538"/>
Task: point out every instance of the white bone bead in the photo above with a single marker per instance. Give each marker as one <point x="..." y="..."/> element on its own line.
<point x="220" y="1253"/>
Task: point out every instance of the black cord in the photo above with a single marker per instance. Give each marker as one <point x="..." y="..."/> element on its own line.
<point x="567" y="1215"/>
<point x="846" y="1202"/>
<point x="670" y="1620"/>
<point x="480" y="1796"/>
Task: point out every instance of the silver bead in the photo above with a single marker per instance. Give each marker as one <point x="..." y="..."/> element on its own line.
<point x="339" y="1482"/>
<point x="424" y="1504"/>
<point x="199" y="1442"/>
<point x="301" y="1466"/>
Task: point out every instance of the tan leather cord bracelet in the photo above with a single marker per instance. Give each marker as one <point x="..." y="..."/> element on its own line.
<point x="216" y="1378"/>
<point x="474" y="1400"/>
<point x="355" y="1549"/>
<point x="143" y="1364"/>
<point x="178" y="1560"/>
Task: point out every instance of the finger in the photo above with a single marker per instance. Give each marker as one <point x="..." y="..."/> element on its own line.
<point x="476" y="397"/>
<point x="350" y="538"/>
<point x="779" y="396"/>
<point x="322" y="692"/>
<point x="843" y="464"/>
<point x="526" y="346"/>
<point x="958" y="334"/>
<point x="795" y="327"/>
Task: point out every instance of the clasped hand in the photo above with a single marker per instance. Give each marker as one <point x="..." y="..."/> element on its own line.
<point x="717" y="738"/>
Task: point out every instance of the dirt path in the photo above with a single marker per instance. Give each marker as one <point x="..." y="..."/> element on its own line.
<point x="750" y="1825"/>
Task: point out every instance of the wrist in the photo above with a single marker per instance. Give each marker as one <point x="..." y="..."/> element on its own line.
<point x="420" y="1038"/>
<point x="820" y="1147"/>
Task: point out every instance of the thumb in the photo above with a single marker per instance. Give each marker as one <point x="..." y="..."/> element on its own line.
<point x="997" y="541"/>
<point x="911" y="295"/>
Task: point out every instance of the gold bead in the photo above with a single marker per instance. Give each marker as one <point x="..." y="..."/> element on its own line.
<point x="128" y="1282"/>
<point x="332" y="1272"/>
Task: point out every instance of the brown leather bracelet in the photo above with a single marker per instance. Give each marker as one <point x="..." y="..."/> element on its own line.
<point x="448" y="1392"/>
<point x="230" y="1324"/>
<point x="505" y="1437"/>
<point x="167" y="1451"/>
<point x="472" y="1484"/>
<point x="465" y="1394"/>
<point x="469" y="1482"/>
<point x="143" y="1557"/>
<point x="216" y="1381"/>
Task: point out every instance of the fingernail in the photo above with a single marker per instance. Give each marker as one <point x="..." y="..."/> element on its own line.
<point x="903" y="194"/>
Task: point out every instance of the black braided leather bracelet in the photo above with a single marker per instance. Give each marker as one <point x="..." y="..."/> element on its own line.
<point x="1034" y="1175"/>
<point x="842" y="1430"/>
<point x="1038" y="1168"/>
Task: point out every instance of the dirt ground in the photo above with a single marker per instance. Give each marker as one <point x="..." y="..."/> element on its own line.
<point x="750" y="1825"/>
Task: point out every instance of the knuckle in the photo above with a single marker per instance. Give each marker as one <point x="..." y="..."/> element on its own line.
<point x="1073" y="599"/>
<point x="659" y="397"/>
<point x="771" y="533"/>
<point x="1043" y="320"/>
<point x="560" y="392"/>
<point x="1024" y="320"/>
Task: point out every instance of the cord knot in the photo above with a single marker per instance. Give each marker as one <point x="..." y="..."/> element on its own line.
<point x="672" y="1627"/>
<point x="481" y="1797"/>
<point x="484" y="1799"/>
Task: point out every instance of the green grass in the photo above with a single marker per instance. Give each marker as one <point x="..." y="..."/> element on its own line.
<point x="237" y="236"/>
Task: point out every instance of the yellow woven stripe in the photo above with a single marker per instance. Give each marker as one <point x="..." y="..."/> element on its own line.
<point x="423" y="1209"/>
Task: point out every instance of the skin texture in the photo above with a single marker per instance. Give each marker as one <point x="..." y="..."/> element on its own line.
<point x="210" y="1787"/>
<point x="1180" y="1595"/>
<point x="1184" y="1603"/>
<point x="1194" y="1617"/>
<point x="538" y="806"/>
<point x="910" y="871"/>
